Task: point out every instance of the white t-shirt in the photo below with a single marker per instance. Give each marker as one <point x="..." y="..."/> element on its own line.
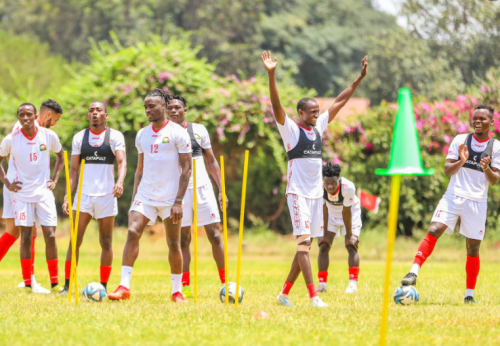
<point x="30" y="160"/>
<point x="161" y="149"/>
<point x="98" y="180"/>
<point x="201" y="136"/>
<point x="11" y="175"/>
<point x="304" y="175"/>
<point x="469" y="183"/>
<point x="350" y="198"/>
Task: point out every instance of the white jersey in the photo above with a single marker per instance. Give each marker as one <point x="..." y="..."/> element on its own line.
<point x="98" y="180"/>
<point x="305" y="174"/>
<point x="161" y="149"/>
<point x="350" y="199"/>
<point x="30" y="160"/>
<point x="203" y="139"/>
<point x="469" y="183"/>
<point x="11" y="175"/>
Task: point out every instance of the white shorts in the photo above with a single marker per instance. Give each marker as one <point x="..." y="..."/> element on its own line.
<point x="152" y="209"/>
<point x="208" y="210"/>
<point x="472" y="215"/>
<point x="307" y="215"/>
<point x="98" y="207"/>
<point x="29" y="214"/>
<point x="335" y="224"/>
<point x="8" y="208"/>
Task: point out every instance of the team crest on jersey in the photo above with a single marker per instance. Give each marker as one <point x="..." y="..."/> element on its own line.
<point x="43" y="147"/>
<point x="166" y="140"/>
<point x="197" y="137"/>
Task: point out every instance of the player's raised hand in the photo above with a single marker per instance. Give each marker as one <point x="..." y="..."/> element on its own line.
<point x="14" y="186"/>
<point x="485" y="162"/>
<point x="364" y="64"/>
<point x="51" y="185"/>
<point x="176" y="213"/>
<point x="117" y="190"/>
<point x="269" y="64"/>
<point x="463" y="152"/>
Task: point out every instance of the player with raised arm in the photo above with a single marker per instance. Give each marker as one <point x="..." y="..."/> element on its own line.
<point x="473" y="162"/>
<point x="100" y="146"/>
<point x="208" y="212"/>
<point x="49" y="115"/>
<point x="161" y="181"/>
<point x="31" y="192"/>
<point x="304" y="190"/>
<point x="341" y="213"/>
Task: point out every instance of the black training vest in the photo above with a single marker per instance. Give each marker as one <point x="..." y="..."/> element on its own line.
<point x="102" y="155"/>
<point x="339" y="197"/>
<point x="197" y="151"/>
<point x="475" y="157"/>
<point x="305" y="148"/>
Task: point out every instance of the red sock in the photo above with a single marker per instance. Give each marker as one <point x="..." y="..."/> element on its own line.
<point x="472" y="270"/>
<point x="286" y="289"/>
<point x="53" y="266"/>
<point x="222" y="276"/>
<point x="425" y="249"/>
<point x="105" y="273"/>
<point x="33" y="255"/>
<point x="26" y="269"/>
<point x="6" y="241"/>
<point x="185" y="279"/>
<point x="353" y="273"/>
<point x="67" y="270"/>
<point x="312" y="291"/>
<point x="323" y="276"/>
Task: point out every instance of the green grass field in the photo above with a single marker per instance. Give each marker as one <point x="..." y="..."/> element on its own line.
<point x="150" y="318"/>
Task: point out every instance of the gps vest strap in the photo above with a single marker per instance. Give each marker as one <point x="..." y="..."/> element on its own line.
<point x="305" y="148"/>
<point x="102" y="155"/>
<point x="338" y="199"/>
<point x="475" y="157"/>
<point x="197" y="150"/>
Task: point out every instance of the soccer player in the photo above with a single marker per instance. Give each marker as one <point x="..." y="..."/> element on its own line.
<point x="304" y="191"/>
<point x="473" y="162"/>
<point x="341" y="212"/>
<point x="161" y="181"/>
<point x="32" y="198"/>
<point x="100" y="146"/>
<point x="49" y="115"/>
<point x="208" y="211"/>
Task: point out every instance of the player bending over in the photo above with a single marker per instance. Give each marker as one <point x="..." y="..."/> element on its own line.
<point x="473" y="162"/>
<point x="161" y="181"/>
<point x="31" y="192"/>
<point x="341" y="211"/>
<point x="304" y="191"/>
<point x="99" y="146"/>
<point x="208" y="212"/>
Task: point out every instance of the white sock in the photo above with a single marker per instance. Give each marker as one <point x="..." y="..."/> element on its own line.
<point x="126" y="276"/>
<point x="33" y="281"/>
<point x="469" y="293"/>
<point x="322" y="284"/>
<point x="353" y="283"/>
<point x="415" y="268"/>
<point x="176" y="282"/>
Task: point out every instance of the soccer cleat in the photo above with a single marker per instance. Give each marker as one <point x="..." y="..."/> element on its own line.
<point x="64" y="292"/>
<point x="178" y="297"/>
<point x="409" y="280"/>
<point x="37" y="288"/>
<point x="469" y="300"/>
<point x="186" y="291"/>
<point x="57" y="289"/>
<point x="282" y="299"/>
<point x="21" y="285"/>
<point x="321" y="289"/>
<point x="317" y="302"/>
<point x="351" y="289"/>
<point x="121" y="293"/>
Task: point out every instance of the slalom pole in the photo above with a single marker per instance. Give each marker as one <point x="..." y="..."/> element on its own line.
<point x="71" y="225"/>
<point x="242" y="219"/>
<point x="77" y="219"/>
<point x="195" y="225"/>
<point x="224" y="215"/>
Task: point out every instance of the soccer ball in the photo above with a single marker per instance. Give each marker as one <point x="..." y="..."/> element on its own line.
<point x="94" y="292"/>
<point x="231" y="287"/>
<point x="406" y="295"/>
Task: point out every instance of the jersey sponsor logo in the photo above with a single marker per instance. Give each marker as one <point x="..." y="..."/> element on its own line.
<point x="96" y="137"/>
<point x="473" y="163"/>
<point x="95" y="157"/>
<point x="43" y="147"/>
<point x="314" y="146"/>
<point x="312" y="152"/>
<point x="474" y="158"/>
<point x="481" y="232"/>
<point x="166" y="140"/>
<point x="155" y="135"/>
<point x="30" y="143"/>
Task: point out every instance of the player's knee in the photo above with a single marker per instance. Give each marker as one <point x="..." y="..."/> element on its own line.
<point x="214" y="236"/>
<point x="351" y="250"/>
<point x="324" y="249"/>
<point x="174" y="244"/>
<point x="106" y="242"/>
<point x="473" y="249"/>
<point x="50" y="239"/>
<point x="26" y="239"/>
<point x="304" y="243"/>
<point x="185" y="239"/>
<point x="133" y="235"/>
<point x="436" y="230"/>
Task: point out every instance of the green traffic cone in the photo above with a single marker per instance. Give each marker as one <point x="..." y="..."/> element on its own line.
<point x="405" y="156"/>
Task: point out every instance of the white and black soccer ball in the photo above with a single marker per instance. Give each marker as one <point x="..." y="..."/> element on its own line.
<point x="231" y="287"/>
<point x="406" y="295"/>
<point x="94" y="292"/>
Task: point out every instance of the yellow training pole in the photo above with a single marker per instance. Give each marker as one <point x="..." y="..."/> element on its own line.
<point x="71" y="225"/>
<point x="393" y="223"/>
<point x="195" y="224"/>
<point x="224" y="225"/>
<point x="77" y="219"/>
<point x="242" y="218"/>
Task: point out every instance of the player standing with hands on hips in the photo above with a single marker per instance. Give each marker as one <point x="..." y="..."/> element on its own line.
<point x="304" y="191"/>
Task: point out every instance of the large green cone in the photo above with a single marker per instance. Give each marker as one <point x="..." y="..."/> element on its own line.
<point x="405" y="150"/>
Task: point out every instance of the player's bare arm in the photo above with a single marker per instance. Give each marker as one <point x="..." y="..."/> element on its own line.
<point x="121" y="160"/>
<point x="13" y="187"/>
<point x="452" y="166"/>
<point x="185" y="160"/>
<point x="51" y="183"/>
<point x="492" y="174"/>
<point x="350" y="240"/>
<point x="214" y="169"/>
<point x="138" y="174"/>
<point x="73" y="178"/>
<point x="345" y="95"/>
<point x="270" y="65"/>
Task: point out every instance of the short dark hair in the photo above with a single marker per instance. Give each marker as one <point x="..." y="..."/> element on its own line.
<point x="52" y="104"/>
<point x="27" y="104"/>
<point x="177" y="97"/>
<point x="105" y="108"/>
<point x="331" y="170"/>
<point x="304" y="101"/>
<point x="487" y="107"/>
<point x="156" y="92"/>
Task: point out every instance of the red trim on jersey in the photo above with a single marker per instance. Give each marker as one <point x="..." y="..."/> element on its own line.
<point x="308" y="129"/>
<point x="477" y="140"/>
<point x="99" y="132"/>
<point x="186" y="125"/>
<point x="30" y="139"/>
<point x="336" y="192"/>
<point x="161" y="128"/>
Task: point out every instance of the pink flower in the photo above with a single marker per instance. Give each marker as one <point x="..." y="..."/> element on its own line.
<point x="484" y="89"/>
<point x="419" y="124"/>
<point x="166" y="89"/>
<point x="369" y="147"/>
<point x="152" y="79"/>
<point x="275" y="191"/>
<point x="224" y="121"/>
<point x="447" y="138"/>
<point x="267" y="120"/>
<point x="235" y="128"/>
<point x="433" y="145"/>
<point x="253" y="79"/>
<point x="225" y="92"/>
<point x="462" y="127"/>
<point x="163" y="76"/>
<point x="336" y="160"/>
<point x="347" y="129"/>
<point x="220" y="132"/>
<point x="214" y="77"/>
<point x="446" y="148"/>
<point x="426" y="107"/>
<point x="129" y="89"/>
<point x="116" y="105"/>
